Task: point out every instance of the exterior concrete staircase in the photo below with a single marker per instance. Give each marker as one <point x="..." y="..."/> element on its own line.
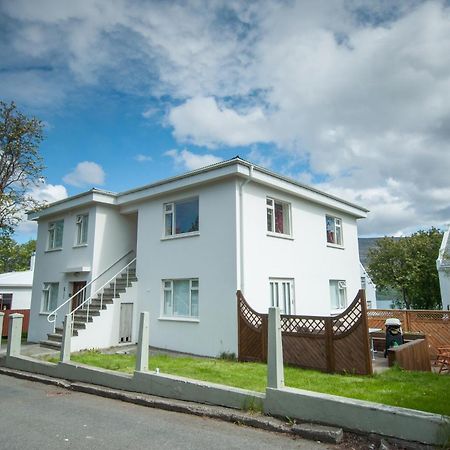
<point x="83" y="316"/>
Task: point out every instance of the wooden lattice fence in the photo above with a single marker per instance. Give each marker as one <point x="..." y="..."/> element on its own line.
<point x="330" y="344"/>
<point x="434" y="324"/>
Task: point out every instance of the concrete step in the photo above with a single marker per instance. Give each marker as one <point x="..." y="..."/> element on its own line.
<point x="54" y="337"/>
<point x="50" y="344"/>
<point x="60" y="331"/>
<point x="84" y="318"/>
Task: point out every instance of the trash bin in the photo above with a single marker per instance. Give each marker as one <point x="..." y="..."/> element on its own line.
<point x="394" y="334"/>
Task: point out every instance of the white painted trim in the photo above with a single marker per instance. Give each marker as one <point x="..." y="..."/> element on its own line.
<point x="179" y="319"/>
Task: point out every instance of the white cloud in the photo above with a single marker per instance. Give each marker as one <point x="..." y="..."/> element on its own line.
<point x="86" y="173"/>
<point x="360" y="91"/>
<point x="201" y="121"/>
<point x="140" y="157"/>
<point x="191" y="161"/>
<point x="42" y="192"/>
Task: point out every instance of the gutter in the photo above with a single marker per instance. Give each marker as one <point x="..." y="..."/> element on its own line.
<point x="241" y="228"/>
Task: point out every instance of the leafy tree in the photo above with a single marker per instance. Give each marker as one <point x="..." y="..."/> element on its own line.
<point x="15" y="257"/>
<point x="409" y="265"/>
<point x="21" y="164"/>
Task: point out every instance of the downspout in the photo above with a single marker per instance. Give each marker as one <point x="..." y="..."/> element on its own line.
<point x="241" y="227"/>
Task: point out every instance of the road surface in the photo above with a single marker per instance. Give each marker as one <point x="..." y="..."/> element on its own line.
<point x="39" y="416"/>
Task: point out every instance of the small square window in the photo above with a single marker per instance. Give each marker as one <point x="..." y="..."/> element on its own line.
<point x="181" y="217"/>
<point x="334" y="230"/>
<point x="180" y="298"/>
<point x="278" y="216"/>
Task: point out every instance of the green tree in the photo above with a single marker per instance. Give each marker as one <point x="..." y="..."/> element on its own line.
<point x="15" y="257"/>
<point x="408" y="265"/>
<point x="21" y="165"/>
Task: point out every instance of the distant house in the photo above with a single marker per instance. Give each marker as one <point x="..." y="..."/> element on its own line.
<point x="190" y="242"/>
<point x="369" y="286"/>
<point x="15" y="289"/>
<point x="443" y="267"/>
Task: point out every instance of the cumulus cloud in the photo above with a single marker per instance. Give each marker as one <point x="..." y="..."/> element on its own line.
<point x="86" y="173"/>
<point x="201" y="121"/>
<point x="191" y="161"/>
<point x="140" y="157"/>
<point x="43" y="192"/>
<point x="359" y="92"/>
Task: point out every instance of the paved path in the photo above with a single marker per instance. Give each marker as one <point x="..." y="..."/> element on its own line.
<point x="39" y="416"/>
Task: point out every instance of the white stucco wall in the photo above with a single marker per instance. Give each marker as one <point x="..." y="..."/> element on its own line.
<point x="306" y="257"/>
<point x="444" y="282"/>
<point x="210" y="257"/>
<point x="370" y="288"/>
<point x="21" y="296"/>
<point x="51" y="267"/>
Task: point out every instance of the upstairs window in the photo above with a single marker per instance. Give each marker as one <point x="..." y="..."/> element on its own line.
<point x="81" y="229"/>
<point x="55" y="234"/>
<point x="180" y="298"/>
<point x="278" y="216"/>
<point x="181" y="217"/>
<point x="49" y="297"/>
<point x="338" y="294"/>
<point x="334" y="230"/>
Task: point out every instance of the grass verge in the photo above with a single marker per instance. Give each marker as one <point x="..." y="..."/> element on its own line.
<point x="416" y="390"/>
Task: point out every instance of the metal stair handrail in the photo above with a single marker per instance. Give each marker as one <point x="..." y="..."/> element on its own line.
<point x="113" y="278"/>
<point x="51" y="318"/>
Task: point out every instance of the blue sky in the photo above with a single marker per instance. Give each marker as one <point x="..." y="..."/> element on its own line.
<point x="350" y="96"/>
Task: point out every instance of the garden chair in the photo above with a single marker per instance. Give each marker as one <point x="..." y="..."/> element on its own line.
<point x="443" y="359"/>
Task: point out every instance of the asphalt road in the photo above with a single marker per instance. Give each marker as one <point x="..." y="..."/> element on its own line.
<point x="39" y="416"/>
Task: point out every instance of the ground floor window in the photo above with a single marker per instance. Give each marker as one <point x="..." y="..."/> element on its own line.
<point x="5" y="301"/>
<point x="180" y="298"/>
<point x="49" y="297"/>
<point x="338" y="294"/>
<point x="282" y="294"/>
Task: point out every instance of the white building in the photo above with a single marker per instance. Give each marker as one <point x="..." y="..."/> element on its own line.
<point x="370" y="288"/>
<point x="443" y="267"/>
<point x="15" y="288"/>
<point x="197" y="238"/>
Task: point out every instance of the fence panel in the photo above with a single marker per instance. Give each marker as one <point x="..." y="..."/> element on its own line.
<point x="329" y="344"/>
<point x="26" y="320"/>
<point x="434" y="324"/>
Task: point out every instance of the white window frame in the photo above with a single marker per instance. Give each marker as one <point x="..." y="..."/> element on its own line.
<point x="341" y="286"/>
<point x="170" y="210"/>
<point x="52" y="234"/>
<point x="168" y="287"/>
<point x="278" y="288"/>
<point x="337" y="231"/>
<point x="270" y="212"/>
<point x="81" y="229"/>
<point x="47" y="293"/>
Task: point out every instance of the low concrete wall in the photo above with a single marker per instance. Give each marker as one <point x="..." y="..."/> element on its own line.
<point x="357" y="415"/>
<point x="162" y="385"/>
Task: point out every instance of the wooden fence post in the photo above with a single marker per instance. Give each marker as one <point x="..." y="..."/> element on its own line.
<point x="329" y="345"/>
<point x="264" y="337"/>
<point x="239" y="331"/>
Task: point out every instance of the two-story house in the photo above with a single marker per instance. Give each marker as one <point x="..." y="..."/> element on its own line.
<point x="192" y="241"/>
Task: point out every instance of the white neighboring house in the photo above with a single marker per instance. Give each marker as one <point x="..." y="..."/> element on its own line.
<point x="15" y="288"/>
<point x="370" y="287"/>
<point x="443" y="267"/>
<point x="197" y="238"/>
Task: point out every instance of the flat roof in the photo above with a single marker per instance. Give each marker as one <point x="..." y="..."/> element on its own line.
<point x="231" y="167"/>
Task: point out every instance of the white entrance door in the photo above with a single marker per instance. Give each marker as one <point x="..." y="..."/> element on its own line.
<point x="282" y="294"/>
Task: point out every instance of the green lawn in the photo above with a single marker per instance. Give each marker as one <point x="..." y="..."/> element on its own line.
<point x="416" y="390"/>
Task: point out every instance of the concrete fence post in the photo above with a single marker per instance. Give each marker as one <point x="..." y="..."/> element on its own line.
<point x="275" y="370"/>
<point x="142" y="350"/>
<point x="14" y="334"/>
<point x="1" y="328"/>
<point x="66" y="339"/>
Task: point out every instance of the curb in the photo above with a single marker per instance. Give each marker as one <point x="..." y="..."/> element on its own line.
<point x="255" y="420"/>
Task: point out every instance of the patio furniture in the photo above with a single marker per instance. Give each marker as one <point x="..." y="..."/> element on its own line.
<point x="443" y="359"/>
